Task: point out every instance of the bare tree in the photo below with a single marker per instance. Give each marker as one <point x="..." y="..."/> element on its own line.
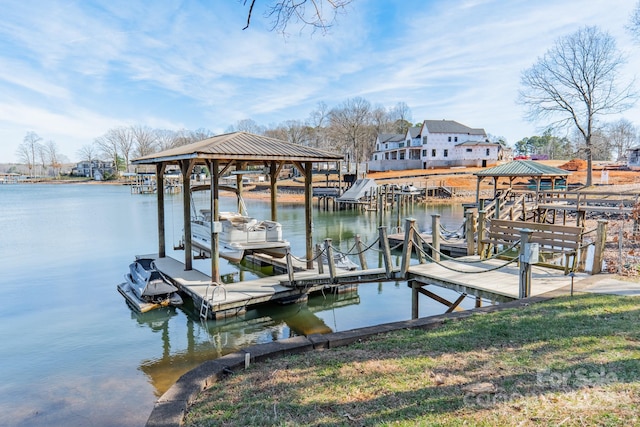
<point x="165" y="138"/>
<point x="53" y="157"/>
<point x="293" y="131"/>
<point x="634" y="22"/>
<point x="318" y="14"/>
<point x="29" y="149"/>
<point x="201" y="134"/>
<point x="622" y="135"/>
<point x="401" y="117"/>
<point x="351" y="128"/>
<point x="247" y="125"/>
<point x="109" y="145"/>
<point x="575" y="82"/>
<point x="88" y="153"/>
<point x="144" y="140"/>
<point x="318" y="120"/>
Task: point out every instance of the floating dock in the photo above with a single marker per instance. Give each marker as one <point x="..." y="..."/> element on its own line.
<point x="234" y="299"/>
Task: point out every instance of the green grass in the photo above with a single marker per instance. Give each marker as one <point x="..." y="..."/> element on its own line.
<point x="570" y="361"/>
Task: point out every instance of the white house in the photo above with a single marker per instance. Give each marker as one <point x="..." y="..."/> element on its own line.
<point x="437" y="143"/>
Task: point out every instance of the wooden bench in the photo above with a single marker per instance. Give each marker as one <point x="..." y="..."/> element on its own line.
<point x="556" y="240"/>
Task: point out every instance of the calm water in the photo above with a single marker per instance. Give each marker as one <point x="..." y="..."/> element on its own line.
<point x="74" y="354"/>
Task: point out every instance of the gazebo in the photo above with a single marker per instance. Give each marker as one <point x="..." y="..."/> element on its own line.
<point x="520" y="169"/>
<point x="233" y="152"/>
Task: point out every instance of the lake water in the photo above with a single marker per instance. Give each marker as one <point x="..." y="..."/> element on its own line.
<point x="74" y="354"/>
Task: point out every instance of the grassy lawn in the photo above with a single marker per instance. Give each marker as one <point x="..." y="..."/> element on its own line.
<point x="567" y="361"/>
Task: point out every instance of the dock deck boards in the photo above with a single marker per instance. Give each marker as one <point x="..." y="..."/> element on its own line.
<point x="240" y="295"/>
<point x="480" y="278"/>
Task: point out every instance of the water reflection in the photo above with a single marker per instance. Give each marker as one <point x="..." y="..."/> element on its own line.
<point x="206" y="340"/>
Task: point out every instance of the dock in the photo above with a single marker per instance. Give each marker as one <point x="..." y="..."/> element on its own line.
<point x="485" y="280"/>
<point x="233" y="299"/>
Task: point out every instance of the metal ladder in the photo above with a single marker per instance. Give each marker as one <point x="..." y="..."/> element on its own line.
<point x="216" y="289"/>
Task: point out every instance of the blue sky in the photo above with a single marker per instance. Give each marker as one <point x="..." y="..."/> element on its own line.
<point x="71" y="70"/>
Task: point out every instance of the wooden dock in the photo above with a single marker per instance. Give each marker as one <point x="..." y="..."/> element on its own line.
<point x="234" y="299"/>
<point x="484" y="280"/>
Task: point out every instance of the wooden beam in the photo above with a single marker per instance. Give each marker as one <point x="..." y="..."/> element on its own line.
<point x="274" y="172"/>
<point x="186" y="166"/>
<point x="160" y="168"/>
<point x="214" y="167"/>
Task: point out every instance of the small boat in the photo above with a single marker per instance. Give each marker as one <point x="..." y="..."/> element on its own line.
<point x="239" y="233"/>
<point x="146" y="287"/>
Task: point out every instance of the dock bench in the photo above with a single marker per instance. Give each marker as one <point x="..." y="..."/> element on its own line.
<point x="557" y="240"/>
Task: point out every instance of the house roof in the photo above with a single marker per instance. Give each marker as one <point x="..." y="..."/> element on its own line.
<point x="450" y="126"/>
<point x="242" y="146"/>
<point x="391" y="137"/>
<point x="473" y="143"/>
<point x="523" y="168"/>
<point x="414" y="131"/>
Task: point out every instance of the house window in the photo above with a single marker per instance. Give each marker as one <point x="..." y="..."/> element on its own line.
<point x="487" y="151"/>
<point x="401" y="155"/>
<point x="433" y="152"/>
<point x="449" y="139"/>
<point x="375" y="157"/>
<point x="424" y="139"/>
<point x="469" y="150"/>
<point x="386" y="146"/>
<point x="401" y="145"/>
<point x="424" y="153"/>
<point x="446" y="153"/>
<point x="455" y="139"/>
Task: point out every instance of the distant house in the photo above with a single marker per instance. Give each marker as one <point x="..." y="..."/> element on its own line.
<point x="95" y="169"/>
<point x="435" y="144"/>
<point x="633" y="158"/>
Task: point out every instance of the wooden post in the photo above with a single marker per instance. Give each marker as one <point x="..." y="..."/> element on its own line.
<point x="435" y="237"/>
<point x="414" y="299"/>
<point x="481" y="232"/>
<point x="408" y="246"/>
<point x="214" y="171"/>
<point x="319" y="259"/>
<point x="160" y="194"/>
<point x="386" y="251"/>
<point x="328" y="251"/>
<point x="601" y="238"/>
<point x="274" y="171"/>
<point x="470" y="229"/>
<point x="361" y="254"/>
<point x="186" y="166"/>
<point x="525" y="268"/>
<point x="290" y="268"/>
<point x="417" y="241"/>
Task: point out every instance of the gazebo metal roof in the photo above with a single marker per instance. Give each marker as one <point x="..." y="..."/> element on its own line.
<point x="523" y="168"/>
<point x="241" y="146"/>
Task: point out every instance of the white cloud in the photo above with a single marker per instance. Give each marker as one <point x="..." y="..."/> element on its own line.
<point x="70" y="70"/>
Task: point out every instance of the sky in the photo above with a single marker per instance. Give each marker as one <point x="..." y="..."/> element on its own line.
<point x="71" y="70"/>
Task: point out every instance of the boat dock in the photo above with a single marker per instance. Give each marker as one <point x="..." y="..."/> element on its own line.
<point x="490" y="279"/>
<point x="233" y="299"/>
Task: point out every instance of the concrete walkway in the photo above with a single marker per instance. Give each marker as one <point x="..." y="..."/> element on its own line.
<point x="610" y="284"/>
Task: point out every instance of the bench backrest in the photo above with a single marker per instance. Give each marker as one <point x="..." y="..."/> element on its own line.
<point x="550" y="236"/>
